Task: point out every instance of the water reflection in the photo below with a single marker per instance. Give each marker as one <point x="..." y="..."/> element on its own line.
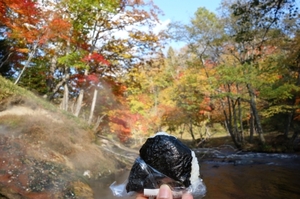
<point x="252" y="175"/>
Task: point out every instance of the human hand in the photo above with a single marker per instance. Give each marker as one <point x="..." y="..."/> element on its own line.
<point x="166" y="193"/>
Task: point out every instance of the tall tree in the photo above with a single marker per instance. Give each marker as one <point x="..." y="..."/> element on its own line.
<point x="255" y="20"/>
<point x="99" y="36"/>
<point x="237" y="42"/>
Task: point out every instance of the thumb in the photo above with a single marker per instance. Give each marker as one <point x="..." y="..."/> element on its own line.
<point x="164" y="192"/>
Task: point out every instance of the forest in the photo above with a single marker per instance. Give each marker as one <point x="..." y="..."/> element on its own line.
<point x="104" y="62"/>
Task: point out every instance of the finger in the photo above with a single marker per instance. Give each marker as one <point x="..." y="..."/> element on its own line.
<point x="164" y="192"/>
<point x="141" y="196"/>
<point x="187" y="196"/>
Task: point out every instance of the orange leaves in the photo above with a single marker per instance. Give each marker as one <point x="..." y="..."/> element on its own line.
<point x="59" y="24"/>
<point x="28" y="24"/>
<point x="97" y="58"/>
<point x="2" y="11"/>
<point x="206" y="106"/>
<point x="58" y="28"/>
<point x="20" y="17"/>
<point x="121" y="123"/>
<point x="22" y="50"/>
<point x="23" y="7"/>
<point x="24" y="11"/>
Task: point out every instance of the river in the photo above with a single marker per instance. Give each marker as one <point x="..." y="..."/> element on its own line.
<point x="229" y="174"/>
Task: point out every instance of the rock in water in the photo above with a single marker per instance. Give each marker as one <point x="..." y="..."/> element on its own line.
<point x="165" y="160"/>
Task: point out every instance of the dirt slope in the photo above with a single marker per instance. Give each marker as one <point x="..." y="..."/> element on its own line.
<point x="45" y="153"/>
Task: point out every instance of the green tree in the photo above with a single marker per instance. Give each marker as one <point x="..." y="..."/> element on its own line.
<point x="283" y="94"/>
<point x="238" y="42"/>
<point x="255" y="22"/>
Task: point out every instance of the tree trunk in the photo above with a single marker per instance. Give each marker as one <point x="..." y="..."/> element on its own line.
<point x="255" y="114"/>
<point x="27" y="62"/>
<point x="95" y="36"/>
<point x="93" y="106"/>
<point x="79" y="102"/>
<point x="99" y="120"/>
<point x="229" y="119"/>
<point x="241" y="120"/>
<point x="80" y="98"/>
<point x="65" y="100"/>
<point x="289" y="122"/>
<point x="50" y="76"/>
<point x="230" y="130"/>
<point x="235" y="122"/>
<point x="252" y="126"/>
<point x="61" y="83"/>
<point x="294" y="137"/>
<point x="191" y="130"/>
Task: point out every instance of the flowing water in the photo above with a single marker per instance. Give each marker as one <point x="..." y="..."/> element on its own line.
<point x="252" y="175"/>
<point x="233" y="175"/>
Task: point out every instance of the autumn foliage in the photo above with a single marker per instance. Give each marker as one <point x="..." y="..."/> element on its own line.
<point x="104" y="62"/>
<point x="19" y="17"/>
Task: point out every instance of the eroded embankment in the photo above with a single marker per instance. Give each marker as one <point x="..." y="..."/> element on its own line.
<point x="48" y="154"/>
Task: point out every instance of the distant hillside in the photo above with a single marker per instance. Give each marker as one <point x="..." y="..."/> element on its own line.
<point x="46" y="153"/>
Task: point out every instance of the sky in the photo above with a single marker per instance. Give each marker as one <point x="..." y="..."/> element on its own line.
<point x="183" y="11"/>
